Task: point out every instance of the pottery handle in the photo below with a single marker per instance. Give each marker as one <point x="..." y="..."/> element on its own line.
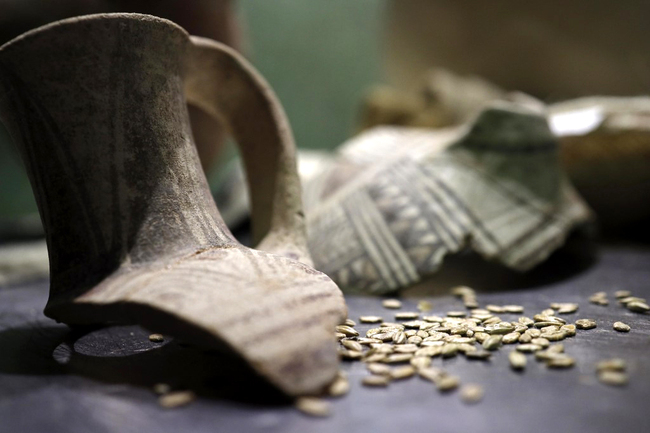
<point x="225" y="85"/>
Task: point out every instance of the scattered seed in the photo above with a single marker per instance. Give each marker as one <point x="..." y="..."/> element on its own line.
<point x="492" y="343"/>
<point x="391" y="303"/>
<point x="481" y="336"/>
<point x="631" y="299"/>
<point x="431" y="351"/>
<point x="433" y="319"/>
<point x="478" y="354"/>
<point x="542" y="342"/>
<point x="156" y="338"/>
<point x="339" y="387"/>
<point x="528" y="348"/>
<point x="313" y="406"/>
<point x="406" y="348"/>
<point x="447" y="383"/>
<point x="638" y="307"/>
<point x="513" y="309"/>
<point x="567" y="308"/>
<point x="396" y="358"/>
<point x="619" y="294"/>
<point x="456" y="314"/>
<point x="494" y="308"/>
<point x="339" y="335"/>
<point x="569" y="330"/>
<point x="370" y="319"/>
<point x="513" y="337"/>
<point x="352" y="345"/>
<point x="555" y="336"/>
<point x="350" y="322"/>
<point x="399" y="338"/>
<point x="613" y="378"/>
<point x="420" y="362"/>
<point x="368" y="341"/>
<point x="585" y="324"/>
<point x="161" y="388"/>
<point x="621" y="327"/>
<point x="392" y="325"/>
<point x="500" y="328"/>
<point x="379" y="369"/>
<point x="424" y="306"/>
<point x="414" y="340"/>
<point x="461" y="291"/>
<point x="347" y="330"/>
<point x="376" y="380"/>
<point x="376" y="357"/>
<point x="560" y="361"/>
<point x="556" y="348"/>
<point x="534" y="333"/>
<point x="517" y="360"/>
<point x="432" y="374"/>
<point x="471" y="393"/>
<point x="176" y="399"/>
<point x="525" y="338"/>
<point x="350" y="354"/>
<point x="614" y="364"/>
<point x="449" y="350"/>
<point x="407" y="315"/>
<point x="526" y="321"/>
<point x="402" y="372"/>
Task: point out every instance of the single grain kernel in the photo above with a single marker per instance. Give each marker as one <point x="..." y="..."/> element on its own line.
<point x="176" y="399"/>
<point x="613" y="378"/>
<point x="391" y="303"/>
<point x="313" y="406"/>
<point x="376" y="380"/>
<point x="156" y="338"/>
<point x="471" y="393"/>
<point x="585" y="324"/>
<point x="517" y="360"/>
<point x="621" y="327"/>
<point x="347" y="330"/>
<point x="370" y="319"/>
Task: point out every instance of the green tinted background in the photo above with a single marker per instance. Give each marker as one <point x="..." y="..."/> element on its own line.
<point x="319" y="56"/>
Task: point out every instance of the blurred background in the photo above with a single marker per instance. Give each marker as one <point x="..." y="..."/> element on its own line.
<point x="319" y="57"/>
<point x="326" y="59"/>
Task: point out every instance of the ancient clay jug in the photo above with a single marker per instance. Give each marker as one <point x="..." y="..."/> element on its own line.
<point x="97" y="107"/>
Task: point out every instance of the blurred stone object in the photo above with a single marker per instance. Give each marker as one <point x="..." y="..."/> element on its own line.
<point x="97" y="108"/>
<point x="553" y="49"/>
<point x="443" y="99"/>
<point x="606" y="152"/>
<point x="214" y="19"/>
<point x="23" y="262"/>
<point x="397" y="200"/>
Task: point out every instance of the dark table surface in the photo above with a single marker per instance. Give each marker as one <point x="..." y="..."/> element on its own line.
<point x="53" y="379"/>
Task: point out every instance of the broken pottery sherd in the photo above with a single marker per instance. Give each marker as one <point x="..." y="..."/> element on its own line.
<point x="97" y="108"/>
<point x="397" y="200"/>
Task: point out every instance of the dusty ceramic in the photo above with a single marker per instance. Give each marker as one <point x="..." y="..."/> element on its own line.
<point x="397" y="200"/>
<point x="97" y="108"/>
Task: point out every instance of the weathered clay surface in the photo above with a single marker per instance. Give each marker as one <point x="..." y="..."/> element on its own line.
<point x="397" y="200"/>
<point x="97" y="107"/>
